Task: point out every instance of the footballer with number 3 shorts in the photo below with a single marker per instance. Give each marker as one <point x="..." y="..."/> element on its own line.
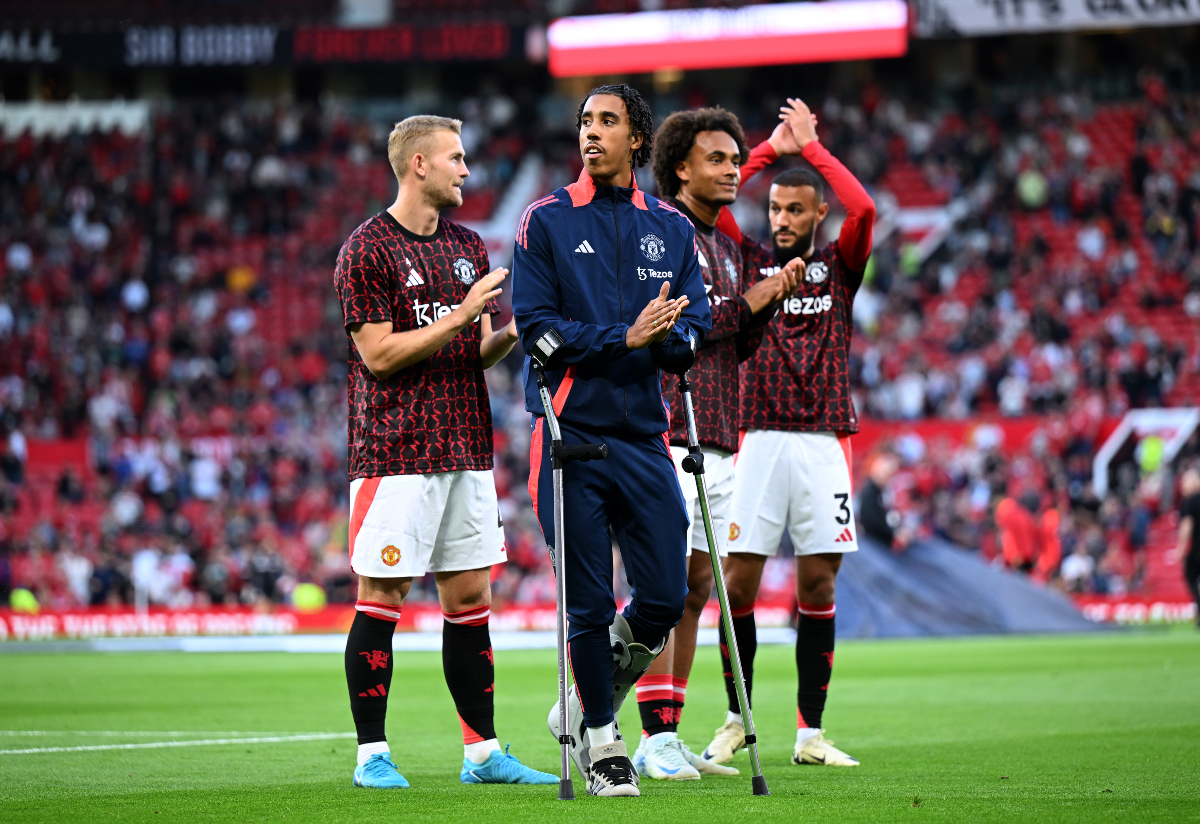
<point x="418" y="308"/>
<point x="793" y="468"/>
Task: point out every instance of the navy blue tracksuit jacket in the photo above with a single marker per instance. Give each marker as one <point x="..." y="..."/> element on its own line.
<point x="587" y="261"/>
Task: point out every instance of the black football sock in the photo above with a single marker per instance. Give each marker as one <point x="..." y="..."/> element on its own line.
<point x="814" y="662"/>
<point x="369" y="667"/>
<point x="746" y="633"/>
<point x="656" y="704"/>
<point x="470" y="672"/>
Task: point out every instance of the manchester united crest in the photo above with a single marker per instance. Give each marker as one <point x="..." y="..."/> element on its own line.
<point x="816" y="272"/>
<point x="734" y="532"/>
<point x="653" y="247"/>
<point x="464" y="270"/>
<point x="390" y="555"/>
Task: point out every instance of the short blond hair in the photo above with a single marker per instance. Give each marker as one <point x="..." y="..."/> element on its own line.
<point x="411" y="136"/>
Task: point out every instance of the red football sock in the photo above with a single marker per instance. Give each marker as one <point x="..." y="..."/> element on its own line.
<point x="679" y="688"/>
<point x="656" y="704"/>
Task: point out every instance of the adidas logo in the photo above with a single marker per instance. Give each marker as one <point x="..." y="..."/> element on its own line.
<point x="845" y="536"/>
<point x="585" y="248"/>
<point x="376" y="691"/>
<point x="703" y="259"/>
<point x="414" y="279"/>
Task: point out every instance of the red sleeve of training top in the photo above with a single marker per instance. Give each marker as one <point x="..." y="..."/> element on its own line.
<point x="761" y="156"/>
<point x="854" y="241"/>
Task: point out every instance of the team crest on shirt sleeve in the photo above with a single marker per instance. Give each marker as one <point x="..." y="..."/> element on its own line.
<point x="816" y="272"/>
<point x="464" y="270"/>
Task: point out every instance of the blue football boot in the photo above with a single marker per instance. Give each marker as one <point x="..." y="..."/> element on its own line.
<point x="502" y="768"/>
<point x="380" y="773"/>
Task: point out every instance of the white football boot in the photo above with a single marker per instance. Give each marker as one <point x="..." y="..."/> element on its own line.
<point x="702" y="764"/>
<point x="816" y="750"/>
<point x="660" y="756"/>
<point x="729" y="738"/>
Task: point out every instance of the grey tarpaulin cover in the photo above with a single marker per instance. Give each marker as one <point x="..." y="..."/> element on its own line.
<point x="936" y="588"/>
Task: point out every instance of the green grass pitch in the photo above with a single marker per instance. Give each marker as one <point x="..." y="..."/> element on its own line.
<point x="1088" y="728"/>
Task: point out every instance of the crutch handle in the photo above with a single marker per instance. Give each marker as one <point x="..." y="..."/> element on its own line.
<point x="579" y="452"/>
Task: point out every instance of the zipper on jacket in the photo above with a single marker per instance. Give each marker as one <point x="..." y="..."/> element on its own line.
<point x="620" y="301"/>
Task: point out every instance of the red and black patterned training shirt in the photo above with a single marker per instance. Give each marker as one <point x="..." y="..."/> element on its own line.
<point x="800" y="377"/>
<point x="735" y="333"/>
<point x="433" y="416"/>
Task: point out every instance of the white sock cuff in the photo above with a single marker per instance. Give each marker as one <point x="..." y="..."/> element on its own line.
<point x="599" y="736"/>
<point x="734" y="718"/>
<point x="365" y="751"/>
<point x="480" y="751"/>
<point x="805" y="733"/>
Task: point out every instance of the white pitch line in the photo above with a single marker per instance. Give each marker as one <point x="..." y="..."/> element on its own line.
<point x="151" y="745"/>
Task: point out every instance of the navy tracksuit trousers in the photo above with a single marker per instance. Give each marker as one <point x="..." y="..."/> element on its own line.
<point x="634" y="496"/>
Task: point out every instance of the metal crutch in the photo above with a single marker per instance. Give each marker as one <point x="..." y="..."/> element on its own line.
<point x="560" y="456"/>
<point x="693" y="464"/>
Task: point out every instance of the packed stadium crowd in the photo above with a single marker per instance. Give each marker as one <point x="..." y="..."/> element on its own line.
<point x="145" y="277"/>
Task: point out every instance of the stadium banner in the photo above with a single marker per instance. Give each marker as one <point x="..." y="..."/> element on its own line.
<point x="83" y="623"/>
<point x="1135" y="609"/>
<point x="982" y="18"/>
<point x="202" y="46"/>
<point x="483" y="40"/>
<point x="773" y="34"/>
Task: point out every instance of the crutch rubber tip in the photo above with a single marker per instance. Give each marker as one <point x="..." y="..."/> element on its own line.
<point x="759" y="782"/>
<point x="566" y="790"/>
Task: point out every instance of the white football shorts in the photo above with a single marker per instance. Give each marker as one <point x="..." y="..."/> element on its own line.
<point x="403" y="526"/>
<point x="798" y="481"/>
<point x="718" y="478"/>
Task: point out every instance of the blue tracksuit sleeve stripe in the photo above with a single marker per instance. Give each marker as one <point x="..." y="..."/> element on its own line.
<point x="538" y="306"/>
<point x="678" y="352"/>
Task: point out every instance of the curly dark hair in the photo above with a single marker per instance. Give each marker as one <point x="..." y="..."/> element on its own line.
<point x="677" y="135"/>
<point x="641" y="121"/>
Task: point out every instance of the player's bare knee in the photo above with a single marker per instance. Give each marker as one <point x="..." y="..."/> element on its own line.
<point x="816" y="577"/>
<point x="384" y="590"/>
<point x="468" y="589"/>
<point x="698" y="596"/>
<point x="700" y="587"/>
<point x="816" y="590"/>
<point x="700" y="574"/>
<point x="741" y="593"/>
<point x="742" y="579"/>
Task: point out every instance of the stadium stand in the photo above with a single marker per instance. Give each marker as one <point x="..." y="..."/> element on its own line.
<point x="173" y="392"/>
